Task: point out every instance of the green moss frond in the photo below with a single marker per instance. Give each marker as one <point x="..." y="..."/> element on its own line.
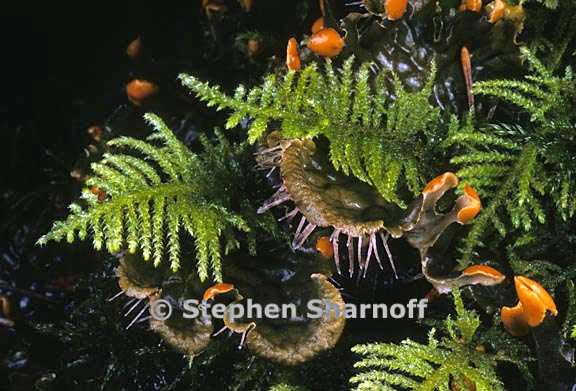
<point x="153" y="194"/>
<point x="515" y="168"/>
<point x="436" y="365"/>
<point x="538" y="94"/>
<point x="379" y="140"/>
<point x="507" y="175"/>
<point x="509" y="349"/>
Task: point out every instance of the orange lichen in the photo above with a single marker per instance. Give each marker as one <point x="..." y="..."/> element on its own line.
<point x="216" y="290"/>
<point x="139" y="90"/>
<point x="212" y="7"/>
<point x="101" y="194"/>
<point x="500" y="10"/>
<point x="134" y="48"/>
<point x="326" y="43"/>
<point x="515" y="13"/>
<point x="324" y="247"/>
<point x="514" y="320"/>
<point x="318" y="25"/>
<point x="473" y="275"/>
<point x="292" y="56"/>
<point x="471" y="5"/>
<point x="483" y="270"/>
<point x="469" y="204"/>
<point x="496" y="10"/>
<point x="395" y="9"/>
<point x="440" y="181"/>
<point x="470" y="192"/>
<point x="467" y="70"/>
<point x="534" y="302"/>
<point x="247" y="5"/>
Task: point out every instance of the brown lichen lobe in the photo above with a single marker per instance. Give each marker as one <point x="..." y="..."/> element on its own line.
<point x="474" y="275"/>
<point x="329" y="199"/>
<point x="297" y="342"/>
<point x="136" y="278"/>
<point x="190" y="336"/>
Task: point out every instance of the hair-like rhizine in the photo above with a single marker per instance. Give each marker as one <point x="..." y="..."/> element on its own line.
<point x="139" y="281"/>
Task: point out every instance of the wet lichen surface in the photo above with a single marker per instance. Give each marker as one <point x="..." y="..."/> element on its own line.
<point x="304" y="224"/>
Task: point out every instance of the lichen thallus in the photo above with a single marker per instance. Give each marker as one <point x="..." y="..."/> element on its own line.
<point x="328" y="199"/>
<point x="139" y="282"/>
